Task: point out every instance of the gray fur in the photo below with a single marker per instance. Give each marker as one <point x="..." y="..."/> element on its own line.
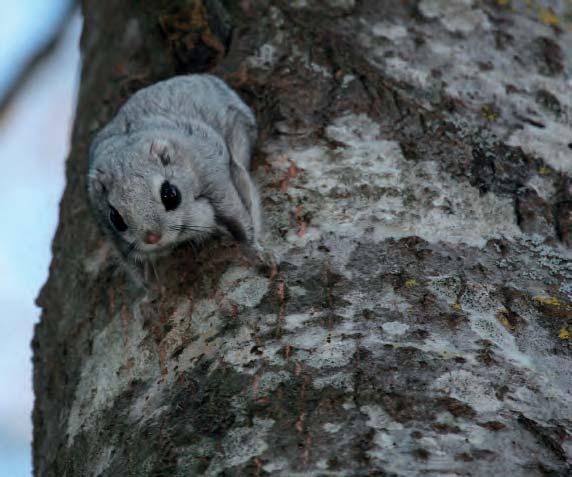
<point x="194" y="132"/>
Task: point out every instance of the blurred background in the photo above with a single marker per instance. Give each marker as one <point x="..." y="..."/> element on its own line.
<point x="39" y="77"/>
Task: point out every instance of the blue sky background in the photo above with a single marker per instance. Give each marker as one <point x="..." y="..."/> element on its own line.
<point x="34" y="137"/>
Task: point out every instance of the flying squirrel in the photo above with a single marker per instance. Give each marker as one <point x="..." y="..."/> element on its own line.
<point x="173" y="166"/>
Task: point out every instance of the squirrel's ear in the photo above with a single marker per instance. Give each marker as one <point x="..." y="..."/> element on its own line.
<point x="160" y="149"/>
<point x="96" y="181"/>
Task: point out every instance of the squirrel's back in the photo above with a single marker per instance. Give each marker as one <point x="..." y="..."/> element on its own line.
<point x="180" y="101"/>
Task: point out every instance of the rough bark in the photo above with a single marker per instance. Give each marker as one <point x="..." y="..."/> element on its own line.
<point x="415" y="163"/>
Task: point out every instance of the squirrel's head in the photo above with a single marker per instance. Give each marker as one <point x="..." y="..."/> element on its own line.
<point x="146" y="193"/>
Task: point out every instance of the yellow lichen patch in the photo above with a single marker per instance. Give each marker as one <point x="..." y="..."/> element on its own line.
<point x="547" y="16"/>
<point x="547" y="300"/>
<point x="411" y="283"/>
<point x="456" y="306"/>
<point x="502" y="316"/>
<point x="564" y="334"/>
<point x="504" y="321"/>
<point x="544" y="171"/>
<point x="503" y="3"/>
<point x="488" y="112"/>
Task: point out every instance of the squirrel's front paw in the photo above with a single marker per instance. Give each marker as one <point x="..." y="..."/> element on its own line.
<point x="265" y="258"/>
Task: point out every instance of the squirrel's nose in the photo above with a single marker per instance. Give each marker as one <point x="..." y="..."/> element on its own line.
<point x="152" y="238"/>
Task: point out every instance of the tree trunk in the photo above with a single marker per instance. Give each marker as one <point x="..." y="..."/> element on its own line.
<point x="414" y="162"/>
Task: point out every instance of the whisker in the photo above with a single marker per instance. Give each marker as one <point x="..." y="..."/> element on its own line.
<point x="184" y="227"/>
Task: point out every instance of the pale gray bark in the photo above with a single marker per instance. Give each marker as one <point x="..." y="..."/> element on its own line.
<point x="414" y="162"/>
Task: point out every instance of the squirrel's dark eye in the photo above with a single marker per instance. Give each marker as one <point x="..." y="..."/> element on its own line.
<point x="170" y="196"/>
<point x="116" y="219"/>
